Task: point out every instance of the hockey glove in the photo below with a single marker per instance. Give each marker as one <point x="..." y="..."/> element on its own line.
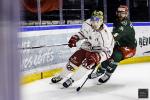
<point x="72" y="41"/>
<point x="92" y="59"/>
<point x="95" y="57"/>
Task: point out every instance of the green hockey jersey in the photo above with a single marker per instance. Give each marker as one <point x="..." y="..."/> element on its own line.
<point x="124" y="33"/>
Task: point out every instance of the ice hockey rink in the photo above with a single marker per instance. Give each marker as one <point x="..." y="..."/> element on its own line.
<point x="123" y="85"/>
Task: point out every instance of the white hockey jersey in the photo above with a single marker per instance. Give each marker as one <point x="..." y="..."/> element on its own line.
<point x="101" y="41"/>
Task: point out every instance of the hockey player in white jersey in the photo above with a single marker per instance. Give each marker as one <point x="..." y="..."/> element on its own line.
<point x="97" y="47"/>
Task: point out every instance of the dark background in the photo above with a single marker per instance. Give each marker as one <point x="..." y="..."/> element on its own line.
<point x="138" y="10"/>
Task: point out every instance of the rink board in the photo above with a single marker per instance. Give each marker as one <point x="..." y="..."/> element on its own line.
<point x="41" y="62"/>
<point x="49" y="73"/>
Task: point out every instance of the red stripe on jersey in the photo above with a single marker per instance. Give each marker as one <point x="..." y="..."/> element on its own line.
<point x="81" y="34"/>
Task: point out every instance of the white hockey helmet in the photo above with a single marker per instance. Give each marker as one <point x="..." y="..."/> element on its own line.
<point x="97" y="19"/>
<point x="122" y="12"/>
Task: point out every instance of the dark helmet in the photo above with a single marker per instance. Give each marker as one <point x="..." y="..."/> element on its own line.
<point x="122" y="11"/>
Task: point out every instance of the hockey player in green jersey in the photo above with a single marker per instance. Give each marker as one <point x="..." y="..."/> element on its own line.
<point x="125" y="45"/>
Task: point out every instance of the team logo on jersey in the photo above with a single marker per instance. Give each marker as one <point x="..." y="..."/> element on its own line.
<point x="121" y="28"/>
<point x="124" y="23"/>
<point x="116" y="34"/>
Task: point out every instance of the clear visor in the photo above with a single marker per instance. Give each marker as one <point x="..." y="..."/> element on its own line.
<point x="121" y="13"/>
<point x="95" y="19"/>
<point x="96" y="22"/>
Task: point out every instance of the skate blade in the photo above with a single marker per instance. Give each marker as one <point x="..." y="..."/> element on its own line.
<point x="54" y="83"/>
<point x="99" y="83"/>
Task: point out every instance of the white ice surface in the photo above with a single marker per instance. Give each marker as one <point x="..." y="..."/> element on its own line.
<point x="123" y="85"/>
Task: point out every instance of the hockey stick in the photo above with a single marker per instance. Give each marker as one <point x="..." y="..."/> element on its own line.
<point x="79" y="88"/>
<point x="35" y="47"/>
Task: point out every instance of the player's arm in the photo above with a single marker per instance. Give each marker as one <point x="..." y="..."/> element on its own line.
<point x="78" y="36"/>
<point x="121" y="31"/>
<point x="117" y="31"/>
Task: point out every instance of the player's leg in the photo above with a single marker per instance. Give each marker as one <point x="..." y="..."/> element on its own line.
<point x="100" y="70"/>
<point x="76" y="76"/>
<point x="74" y="61"/>
<point x="87" y="64"/>
<point x="110" y="68"/>
<point x="66" y="71"/>
<point x="111" y="65"/>
<point x="119" y="54"/>
<point x="102" y="67"/>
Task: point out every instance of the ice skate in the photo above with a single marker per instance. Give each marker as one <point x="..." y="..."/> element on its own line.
<point x="104" y="78"/>
<point x="68" y="82"/>
<point x="56" y="79"/>
<point x="100" y="71"/>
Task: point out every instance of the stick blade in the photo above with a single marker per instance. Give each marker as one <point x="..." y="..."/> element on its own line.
<point x="78" y="89"/>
